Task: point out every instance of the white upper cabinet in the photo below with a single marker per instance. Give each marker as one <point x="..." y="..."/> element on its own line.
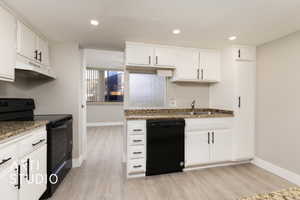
<point x="7" y="45"/>
<point x="164" y="56"/>
<point x="139" y="55"/>
<point x="26" y="42"/>
<point x="43" y="54"/>
<point x="32" y="46"/>
<point x="210" y="65"/>
<point x="186" y="64"/>
<point x="189" y="64"/>
<point x="245" y="53"/>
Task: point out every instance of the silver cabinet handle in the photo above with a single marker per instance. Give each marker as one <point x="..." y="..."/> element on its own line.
<point x="239" y="53"/>
<point x="208" y="136"/>
<point x="137" y="166"/>
<point x="213" y="137"/>
<point x="28" y="169"/>
<point x="202" y="74"/>
<point x="18" y="170"/>
<point x="149" y="60"/>
<point x="137" y="152"/>
<point x="137" y="140"/>
<point x="239" y="105"/>
<point x="5" y="161"/>
<point x="136" y="130"/>
<point x="34" y="144"/>
<point x="198" y="73"/>
<point x="156" y="59"/>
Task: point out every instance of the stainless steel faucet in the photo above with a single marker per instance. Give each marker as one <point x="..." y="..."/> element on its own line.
<point x="193" y="106"/>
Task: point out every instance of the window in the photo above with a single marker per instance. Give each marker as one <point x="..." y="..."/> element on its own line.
<point x="105" y="85"/>
<point x="146" y="90"/>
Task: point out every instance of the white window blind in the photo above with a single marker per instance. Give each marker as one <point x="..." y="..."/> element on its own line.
<point x="105" y="85"/>
<point x="146" y="90"/>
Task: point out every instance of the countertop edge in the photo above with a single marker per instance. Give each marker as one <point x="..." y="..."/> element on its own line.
<point x="20" y="132"/>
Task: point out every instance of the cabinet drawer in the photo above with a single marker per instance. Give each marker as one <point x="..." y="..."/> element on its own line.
<point x="136" y="166"/>
<point x="36" y="139"/>
<point x="136" y="139"/>
<point x="8" y="154"/>
<point x="136" y="152"/>
<point x="136" y="127"/>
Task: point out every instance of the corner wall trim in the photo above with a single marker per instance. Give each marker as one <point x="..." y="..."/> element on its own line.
<point x="77" y="162"/>
<point x="95" y="124"/>
<point x="283" y="173"/>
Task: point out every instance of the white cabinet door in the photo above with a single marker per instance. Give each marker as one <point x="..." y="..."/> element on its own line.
<point x="139" y="55"/>
<point x="197" y="148"/>
<point x="210" y="65"/>
<point x="221" y="145"/>
<point x="8" y="182"/>
<point x="39" y="170"/>
<point x="26" y="42"/>
<point x="43" y="48"/>
<point x="245" y="53"/>
<point x="164" y="56"/>
<point x="244" y="110"/>
<point x="34" y="174"/>
<point x="7" y="45"/>
<point x="187" y="64"/>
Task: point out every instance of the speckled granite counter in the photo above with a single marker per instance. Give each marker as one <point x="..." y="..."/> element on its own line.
<point x="14" y="128"/>
<point x="287" y="194"/>
<point x="139" y="114"/>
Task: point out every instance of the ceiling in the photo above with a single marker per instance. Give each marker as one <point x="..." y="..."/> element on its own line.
<point x="203" y="23"/>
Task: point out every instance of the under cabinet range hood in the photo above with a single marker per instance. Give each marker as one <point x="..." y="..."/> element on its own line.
<point x="33" y="69"/>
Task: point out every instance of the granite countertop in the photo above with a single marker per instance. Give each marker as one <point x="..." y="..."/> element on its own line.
<point x="14" y="128"/>
<point x="163" y="113"/>
<point x="287" y="194"/>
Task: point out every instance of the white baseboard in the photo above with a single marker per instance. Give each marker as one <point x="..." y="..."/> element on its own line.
<point x="283" y="173"/>
<point x="96" y="124"/>
<point x="213" y="165"/>
<point x="77" y="162"/>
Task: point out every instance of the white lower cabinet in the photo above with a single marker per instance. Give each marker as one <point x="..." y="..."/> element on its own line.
<point x="221" y="145"/>
<point x="23" y="171"/>
<point x="136" y="147"/>
<point x="33" y="174"/>
<point x="8" y="183"/>
<point x="197" y="148"/>
<point x="209" y="146"/>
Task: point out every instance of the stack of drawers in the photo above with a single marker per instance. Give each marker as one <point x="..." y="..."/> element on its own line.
<point x="136" y="147"/>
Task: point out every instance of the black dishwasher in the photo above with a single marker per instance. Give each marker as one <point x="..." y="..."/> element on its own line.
<point x="165" y="146"/>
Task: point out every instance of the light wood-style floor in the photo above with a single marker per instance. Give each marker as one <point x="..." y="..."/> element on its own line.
<point x="102" y="177"/>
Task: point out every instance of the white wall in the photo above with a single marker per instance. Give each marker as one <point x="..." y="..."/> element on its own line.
<point x="105" y="113"/>
<point x="278" y="107"/>
<point x="185" y="93"/>
<point x="101" y="58"/>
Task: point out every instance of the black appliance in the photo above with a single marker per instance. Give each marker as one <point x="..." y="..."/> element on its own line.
<point x="59" y="154"/>
<point x="59" y="136"/>
<point x="165" y="146"/>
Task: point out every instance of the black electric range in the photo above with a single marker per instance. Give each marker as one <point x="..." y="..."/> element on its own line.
<point x="59" y="137"/>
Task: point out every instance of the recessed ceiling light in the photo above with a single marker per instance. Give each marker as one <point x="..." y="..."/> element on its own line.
<point x="176" y="31"/>
<point x="94" y="22"/>
<point x="232" y="38"/>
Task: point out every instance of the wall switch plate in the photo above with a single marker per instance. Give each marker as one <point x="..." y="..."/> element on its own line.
<point x="172" y="103"/>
